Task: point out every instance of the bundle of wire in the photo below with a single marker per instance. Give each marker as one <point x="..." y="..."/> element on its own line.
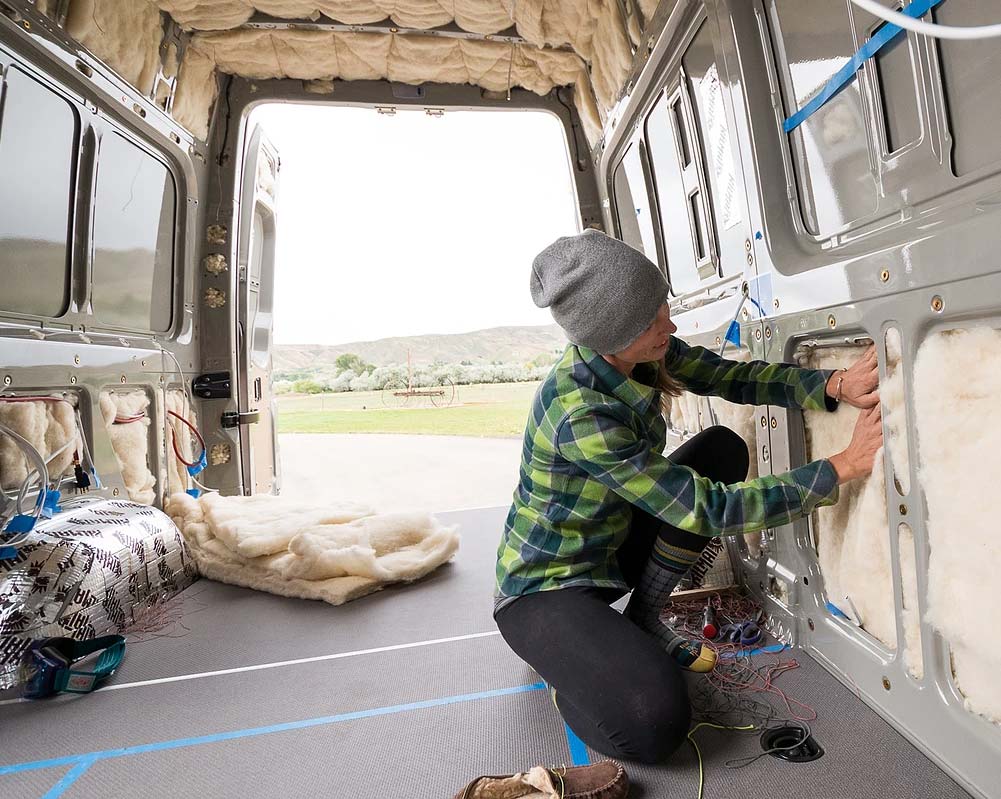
<point x="740" y="693"/>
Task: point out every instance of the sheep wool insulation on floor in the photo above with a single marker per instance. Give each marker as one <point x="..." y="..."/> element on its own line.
<point x="335" y="553"/>
<point x="956" y="389"/>
<point x="853" y="536"/>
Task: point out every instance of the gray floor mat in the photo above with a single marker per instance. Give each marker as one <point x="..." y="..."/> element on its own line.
<point x="224" y="626"/>
<point x="418" y="752"/>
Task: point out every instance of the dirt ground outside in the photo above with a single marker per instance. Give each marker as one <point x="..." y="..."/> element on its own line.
<point x="400" y="472"/>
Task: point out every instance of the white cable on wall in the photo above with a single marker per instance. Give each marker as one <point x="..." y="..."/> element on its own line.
<point x="932" y="29"/>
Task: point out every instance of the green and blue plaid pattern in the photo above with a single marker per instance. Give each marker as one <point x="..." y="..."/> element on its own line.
<point x="593" y="449"/>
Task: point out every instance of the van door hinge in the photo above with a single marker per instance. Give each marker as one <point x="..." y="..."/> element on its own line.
<point x="234" y="419"/>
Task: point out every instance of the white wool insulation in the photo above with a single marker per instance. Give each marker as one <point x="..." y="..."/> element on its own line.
<point x="48" y="425"/>
<point x="130" y="441"/>
<point x="178" y="478"/>
<point x="335" y="552"/>
<point x="127" y="34"/>
<point x="690" y="414"/>
<point x="956" y="386"/>
<point x="853" y="536"/>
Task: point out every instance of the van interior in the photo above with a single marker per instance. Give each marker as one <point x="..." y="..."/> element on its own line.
<point x="813" y="178"/>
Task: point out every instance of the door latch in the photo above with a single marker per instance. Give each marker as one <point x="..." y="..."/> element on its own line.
<point x="234" y="419"/>
<point x="213" y="385"/>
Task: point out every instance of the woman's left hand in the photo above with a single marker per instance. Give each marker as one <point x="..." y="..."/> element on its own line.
<point x="860" y="382"/>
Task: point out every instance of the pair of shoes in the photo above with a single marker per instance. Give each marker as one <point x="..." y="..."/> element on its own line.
<point x="604" y="780"/>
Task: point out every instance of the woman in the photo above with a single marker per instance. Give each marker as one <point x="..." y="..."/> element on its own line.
<point x="600" y="510"/>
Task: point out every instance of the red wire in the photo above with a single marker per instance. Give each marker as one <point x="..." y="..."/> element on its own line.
<point x="129" y="419"/>
<point x="194" y="430"/>
<point x="35" y="399"/>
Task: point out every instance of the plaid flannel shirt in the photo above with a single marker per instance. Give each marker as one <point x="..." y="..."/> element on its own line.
<point x="593" y="449"/>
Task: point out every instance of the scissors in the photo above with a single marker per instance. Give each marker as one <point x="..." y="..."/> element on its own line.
<point x="745" y="633"/>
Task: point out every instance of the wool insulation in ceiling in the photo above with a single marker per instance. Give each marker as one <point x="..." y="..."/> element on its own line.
<point x="595" y="41"/>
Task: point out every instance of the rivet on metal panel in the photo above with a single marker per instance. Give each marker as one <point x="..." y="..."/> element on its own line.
<point x="72" y="380"/>
<point x="765" y="455"/>
<point x="27" y="25"/>
<point x="884" y="275"/>
<point x="809" y="623"/>
<point x="775" y="423"/>
<point x="832" y="322"/>
<point x="764" y="422"/>
<point x="696" y="325"/>
<point x="161" y="380"/>
<point x="750" y="258"/>
<point x="768" y="332"/>
<point x="718" y="341"/>
<point x="76" y="359"/>
<point x="757" y="334"/>
<point x="886" y="683"/>
<point x="903" y="510"/>
<point x="745" y="314"/>
<point x="747" y="244"/>
<point x="142" y="362"/>
<point x="114" y="492"/>
<point x="775" y="302"/>
<point x="125" y="379"/>
<point x="7" y="380"/>
<point x="936" y="304"/>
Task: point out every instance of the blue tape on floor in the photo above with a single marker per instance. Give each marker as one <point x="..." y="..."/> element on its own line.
<point x="179" y="743"/>
<point x="578" y="751"/>
<point x="69" y="778"/>
<point x="840" y="78"/>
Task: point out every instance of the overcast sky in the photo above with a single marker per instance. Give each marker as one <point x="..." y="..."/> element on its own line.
<point x="391" y="226"/>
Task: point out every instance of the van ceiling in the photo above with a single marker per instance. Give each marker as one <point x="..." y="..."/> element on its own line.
<point x="495" y="44"/>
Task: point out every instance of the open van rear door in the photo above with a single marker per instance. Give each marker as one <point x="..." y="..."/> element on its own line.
<point x="255" y="320"/>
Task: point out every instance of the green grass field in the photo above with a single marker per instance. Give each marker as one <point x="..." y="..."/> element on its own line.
<point x="488" y="410"/>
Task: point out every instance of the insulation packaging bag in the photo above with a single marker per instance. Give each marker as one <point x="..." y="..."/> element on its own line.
<point x="88" y="572"/>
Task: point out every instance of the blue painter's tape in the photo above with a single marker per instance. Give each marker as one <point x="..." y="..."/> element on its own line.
<point x="21" y="524"/>
<point x="835" y="610"/>
<point x="180" y="743"/>
<point x="578" y="750"/>
<point x="193" y="492"/>
<point x="733" y="333"/>
<point x="840" y="78"/>
<point x="199" y="466"/>
<point x="771" y="649"/>
<point x="69" y="778"/>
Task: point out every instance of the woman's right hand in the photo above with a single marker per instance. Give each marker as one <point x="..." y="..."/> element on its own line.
<point x="857" y="458"/>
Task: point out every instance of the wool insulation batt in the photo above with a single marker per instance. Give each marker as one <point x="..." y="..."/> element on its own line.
<point x="126" y="34"/>
<point x="853" y="536"/>
<point x="178" y="478"/>
<point x="130" y="441"/>
<point x="48" y="426"/>
<point x="956" y="388"/>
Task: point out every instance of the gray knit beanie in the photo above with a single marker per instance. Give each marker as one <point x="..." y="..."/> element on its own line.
<point x="603" y="293"/>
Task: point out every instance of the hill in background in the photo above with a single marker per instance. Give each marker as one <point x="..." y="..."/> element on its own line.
<point x="495" y="344"/>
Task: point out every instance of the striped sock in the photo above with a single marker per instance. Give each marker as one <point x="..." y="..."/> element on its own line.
<point x="664" y="570"/>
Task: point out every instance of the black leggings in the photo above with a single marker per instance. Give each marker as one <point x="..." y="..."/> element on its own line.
<point x="619" y="691"/>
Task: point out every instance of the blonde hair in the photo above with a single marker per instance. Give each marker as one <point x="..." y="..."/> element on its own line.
<point x="668" y="386"/>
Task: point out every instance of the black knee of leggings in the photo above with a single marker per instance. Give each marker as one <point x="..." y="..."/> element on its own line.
<point x="717" y="453"/>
